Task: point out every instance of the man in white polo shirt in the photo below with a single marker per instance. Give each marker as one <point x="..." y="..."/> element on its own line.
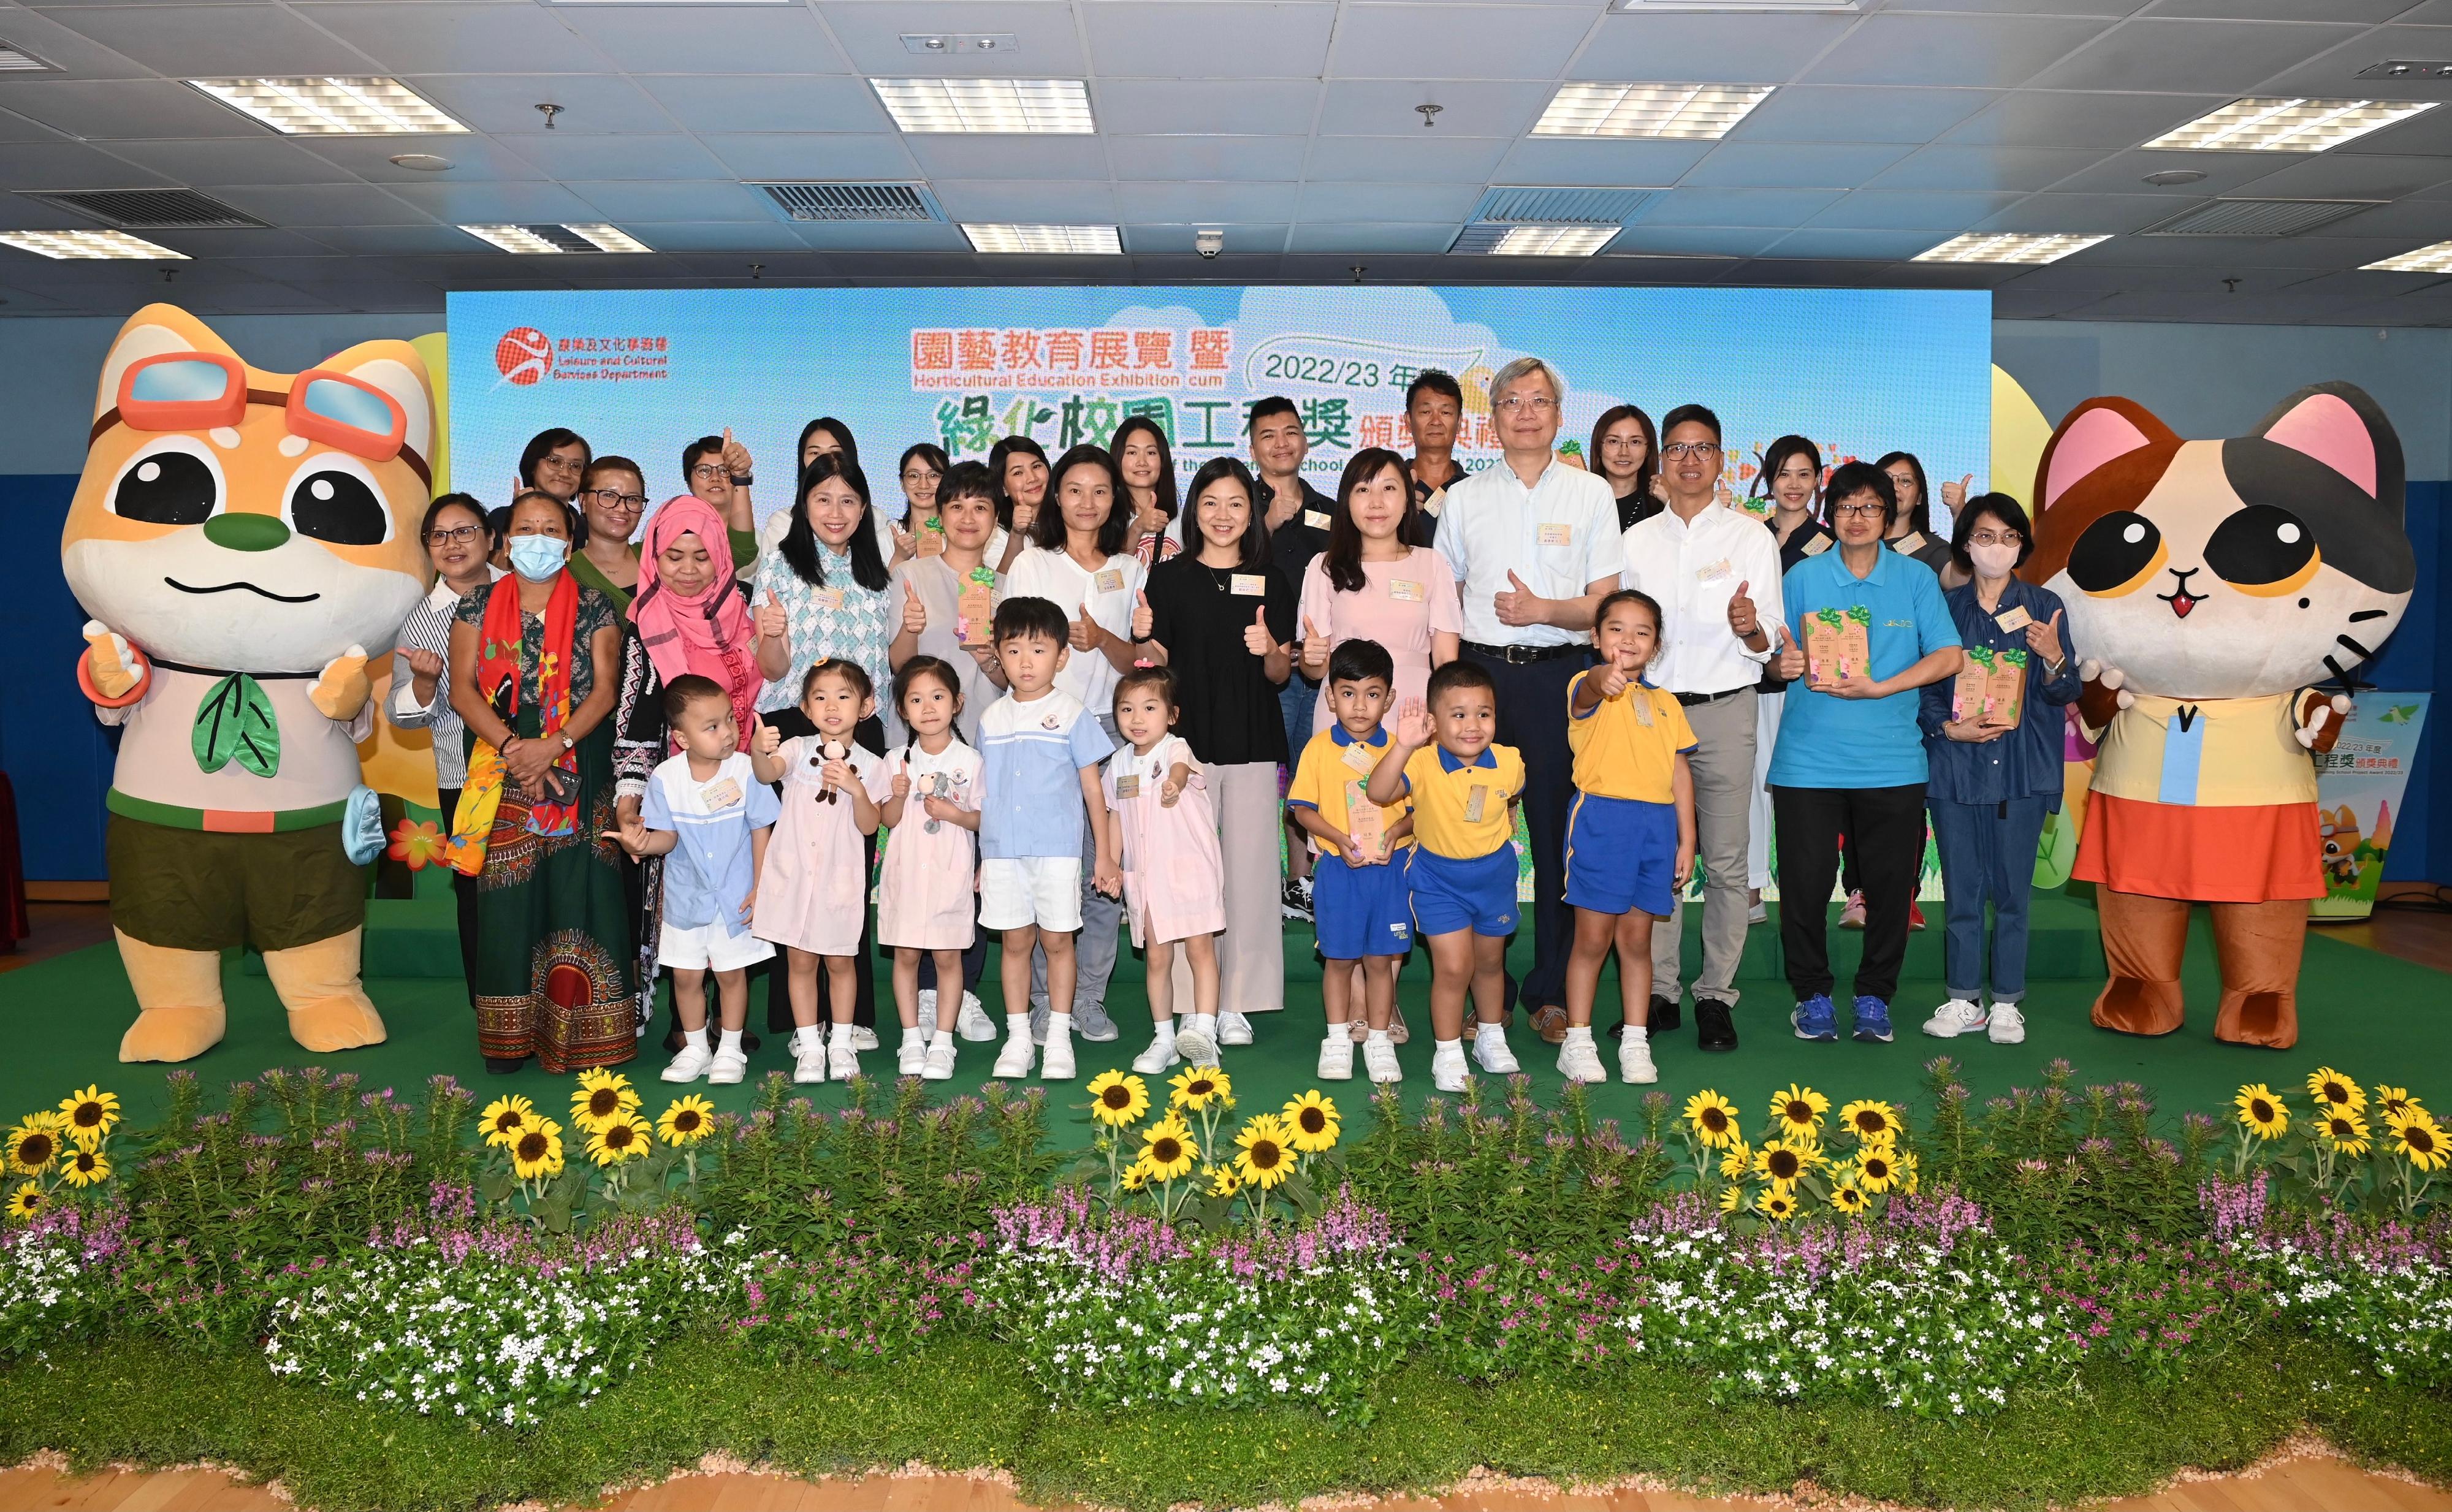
<point x="1715" y="573"/>
<point x="1534" y="545"/>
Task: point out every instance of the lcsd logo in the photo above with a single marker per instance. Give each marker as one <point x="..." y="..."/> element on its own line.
<point x="524" y="354"/>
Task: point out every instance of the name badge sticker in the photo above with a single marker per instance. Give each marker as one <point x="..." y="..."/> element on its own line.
<point x="1361" y="757"/>
<point x="1475" y="801"/>
<point x="1558" y="534"/>
<point x="1406" y="591"/>
<point x="1316" y="518"/>
<point x="1717" y="572"/>
<point x="1247" y="586"/>
<point x="722" y="794"/>
<point x="1128" y="787"/>
<point x="830" y="598"/>
<point x="2013" y="619"/>
<point x="1110" y="579"/>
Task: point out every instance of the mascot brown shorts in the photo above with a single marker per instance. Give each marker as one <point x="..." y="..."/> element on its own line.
<point x="194" y="889"/>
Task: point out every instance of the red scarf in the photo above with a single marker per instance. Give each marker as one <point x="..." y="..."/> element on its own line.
<point x="498" y="681"/>
<point x="707" y="632"/>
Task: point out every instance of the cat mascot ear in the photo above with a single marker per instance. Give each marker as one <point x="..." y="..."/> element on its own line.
<point x="2105" y="455"/>
<point x="2329" y="454"/>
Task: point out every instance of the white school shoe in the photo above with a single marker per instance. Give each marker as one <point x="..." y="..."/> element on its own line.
<point x="727" y="1070"/>
<point x="808" y="1057"/>
<point x="1956" y="1017"/>
<point x="1379" y="1062"/>
<point x="1234" y="1029"/>
<point x="973" y="1022"/>
<point x="1579" y="1059"/>
<point x="1056" y="1057"/>
<point x="1337" y="1055"/>
<point x="2009" y="1026"/>
<point x="911" y="1056"/>
<point x="1490" y="1048"/>
<point x="1634" y="1066"/>
<point x="938" y="1065"/>
<point x="1014" y="1060"/>
<point x="692" y="1062"/>
<point x="1450" y="1072"/>
<point x="1161" y="1052"/>
<point x="1195" y="1044"/>
<point x="862" y="1037"/>
<point x="842" y="1059"/>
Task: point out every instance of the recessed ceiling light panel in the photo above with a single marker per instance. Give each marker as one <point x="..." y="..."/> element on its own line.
<point x="332" y="107"/>
<point x="538" y="240"/>
<point x="2007" y="246"/>
<point x="1088" y="239"/>
<point x="2436" y="259"/>
<point x="2279" y="124"/>
<point x="81" y="244"/>
<point x="1702" y="112"/>
<point x="1011" y="106"/>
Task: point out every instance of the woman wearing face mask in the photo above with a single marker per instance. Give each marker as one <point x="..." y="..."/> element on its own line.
<point x="1146" y="463"/>
<point x="1019" y="467"/>
<point x="1790" y="480"/>
<point x="1995" y="773"/>
<point x="1627" y="455"/>
<point x="534" y="663"/>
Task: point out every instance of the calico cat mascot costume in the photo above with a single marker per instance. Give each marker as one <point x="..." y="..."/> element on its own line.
<point x="2216" y="580"/>
<point x="243" y="539"/>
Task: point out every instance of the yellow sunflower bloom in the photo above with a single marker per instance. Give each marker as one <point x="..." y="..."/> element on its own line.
<point x="1223" y="1180"/>
<point x="623" y="1138"/>
<point x="1784" y="1160"/>
<point x="90" y="1115"/>
<point x="1168" y="1150"/>
<point x="1311" y="1123"/>
<point x="504" y="1117"/>
<point x="2334" y="1090"/>
<point x="1715" y="1119"/>
<point x="535" y="1151"/>
<point x="1267" y="1155"/>
<point x="1799" y="1111"/>
<point x="1738" y="1161"/>
<point x="687" y="1121"/>
<point x="1878" y="1168"/>
<point x="25" y="1201"/>
<point x="1848" y="1197"/>
<point x="1732" y="1199"/>
<point x="1135" y="1178"/>
<point x="601" y="1097"/>
<point x="1777" y="1204"/>
<point x="36" y="1142"/>
<point x="2417" y="1139"/>
<point x="1197" y="1086"/>
<point x="84" y="1168"/>
<point x="2394" y="1101"/>
<point x="1117" y="1099"/>
<point x="2261" y="1111"/>
<point x="1872" y="1122"/>
<point x="2344" y="1131"/>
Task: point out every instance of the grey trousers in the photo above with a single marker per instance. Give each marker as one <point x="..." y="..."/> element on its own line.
<point x="1723" y="765"/>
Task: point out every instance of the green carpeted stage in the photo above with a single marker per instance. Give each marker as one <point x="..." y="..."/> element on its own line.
<point x="2374" y="1016"/>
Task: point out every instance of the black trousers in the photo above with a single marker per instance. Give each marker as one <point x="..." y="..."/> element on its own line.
<point x="1885" y="827"/>
<point x="1532" y="718"/>
<point x="464" y="897"/>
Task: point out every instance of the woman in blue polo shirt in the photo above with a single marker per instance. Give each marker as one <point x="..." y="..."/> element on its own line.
<point x="1850" y="759"/>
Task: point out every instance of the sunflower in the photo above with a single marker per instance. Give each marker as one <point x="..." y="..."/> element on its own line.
<point x="1799" y="1111"/>
<point x="34" y="1144"/>
<point x="504" y="1117"/>
<point x="25" y="1201"/>
<point x="1872" y="1122"/>
<point x="687" y="1121"/>
<point x="1267" y="1154"/>
<point x="1168" y="1150"/>
<point x="537" y="1151"/>
<point x="2334" y="1090"/>
<point x="1732" y="1199"/>
<point x="1738" y="1161"/>
<point x="603" y="1097"/>
<point x="2261" y="1111"/>
<point x="1117" y="1099"/>
<point x="2344" y="1131"/>
<point x="1223" y="1180"/>
<point x="1877" y="1168"/>
<point x="1715" y="1119"/>
<point x="619" y="1138"/>
<point x="1135" y="1176"/>
<point x="1776" y="1203"/>
<point x="1783" y="1161"/>
<point x="92" y="1114"/>
<point x="1197" y="1086"/>
<point x="1848" y="1197"/>
<point x="2394" y="1101"/>
<point x="2417" y="1140"/>
<point x="83" y="1166"/>
<point x="1311" y="1123"/>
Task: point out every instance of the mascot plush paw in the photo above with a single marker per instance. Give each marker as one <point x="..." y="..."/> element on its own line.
<point x="241" y="538"/>
<point x="2212" y="581"/>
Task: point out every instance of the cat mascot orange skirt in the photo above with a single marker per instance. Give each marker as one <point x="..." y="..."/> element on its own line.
<point x="2214" y="583"/>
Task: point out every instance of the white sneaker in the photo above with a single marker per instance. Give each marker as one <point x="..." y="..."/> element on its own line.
<point x="1380" y="1061"/>
<point x="1337" y="1055"/>
<point x="808" y="1057"/>
<point x="927" y="1012"/>
<point x="1449" y="1072"/>
<point x="1234" y="1029"/>
<point x="1956" y="1017"/>
<point x="842" y="1056"/>
<point x="1161" y="1052"/>
<point x="862" y="1037"/>
<point x="1634" y="1061"/>
<point x="1056" y="1060"/>
<point x="1579" y="1059"/>
<point x="692" y="1062"/>
<point x="727" y="1070"/>
<point x="938" y="1065"/>
<point x="1196" y="1043"/>
<point x="973" y="1022"/>
<point x="1490" y="1048"/>
<point x="913" y="1055"/>
<point x="2008" y="1025"/>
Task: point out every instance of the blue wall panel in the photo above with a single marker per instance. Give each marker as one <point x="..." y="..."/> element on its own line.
<point x="56" y="753"/>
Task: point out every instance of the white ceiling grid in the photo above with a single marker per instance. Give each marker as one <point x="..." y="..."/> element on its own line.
<point x="1289" y="124"/>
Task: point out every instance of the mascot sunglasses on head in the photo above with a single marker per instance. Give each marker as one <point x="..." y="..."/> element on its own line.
<point x="2212" y="582"/>
<point x="242" y="540"/>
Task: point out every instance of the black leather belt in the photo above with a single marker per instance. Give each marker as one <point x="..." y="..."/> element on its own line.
<point x="1690" y="699"/>
<point x="1520" y="656"/>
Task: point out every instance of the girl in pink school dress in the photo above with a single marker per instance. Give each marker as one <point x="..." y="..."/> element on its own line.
<point x="1369" y="585"/>
<point x="813" y="897"/>
<point x="1165" y="842"/>
<point x="928" y="796"/>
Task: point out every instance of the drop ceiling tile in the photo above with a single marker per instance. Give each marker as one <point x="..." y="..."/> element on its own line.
<point x="2426" y="133"/>
<point x="2033" y="118"/>
<point x="119" y="108"/>
<point x="1047" y="44"/>
<point x="1996" y="51"/>
<point x="506" y="104"/>
<point x="1453" y="40"/>
<point x="472" y="158"/>
<point x="576" y="155"/>
<point x="241" y="248"/>
<point x="2058" y="214"/>
<point x="711" y="236"/>
<point x="264" y="160"/>
<point x="1707" y="47"/>
<point x="363" y="241"/>
<point x="2056" y="8"/>
<point x="1784" y="209"/>
<point x="1261" y="238"/>
<point x="813" y="155"/>
<point x="411" y="36"/>
<point x="322" y="205"/>
<point x="19" y="301"/>
<point x="1387" y="202"/>
<point x="2228" y="55"/>
<point x="481" y="204"/>
<point x="19" y="128"/>
<point x="679" y="39"/>
<point x="883" y="236"/>
<point x="73" y="53"/>
<point x="1984" y="167"/>
<point x="1157" y="106"/>
<point x="768" y="103"/>
<point x="1374" y="236"/>
<point x="2281" y="10"/>
<point x="1805" y="113"/>
<point x="2424" y="221"/>
<point x="1132" y="38"/>
<point x="1911" y="210"/>
<point x="205" y="41"/>
<point x="2361" y="282"/>
<point x="1644" y="164"/>
<point x="1696" y="241"/>
<point x="1208" y="157"/>
<point x="2125" y="173"/>
<point x="2014" y="303"/>
<point x="68" y="165"/>
<point x="1015" y="157"/>
<point x="1405" y="159"/>
<point x="1745" y="164"/>
<point x="1180" y="203"/>
<point x="2330" y="176"/>
<point x="1467" y="109"/>
<point x="1027" y="202"/>
<point x="624" y="202"/>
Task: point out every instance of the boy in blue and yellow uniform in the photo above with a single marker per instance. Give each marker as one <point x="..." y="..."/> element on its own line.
<point x="1463" y="868"/>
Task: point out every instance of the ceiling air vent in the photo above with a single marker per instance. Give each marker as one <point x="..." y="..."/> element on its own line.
<point x="1532" y="204"/>
<point x="17" y="60"/>
<point x="853" y="202"/>
<point x="2257" y="217"/>
<point x="147" y="209"/>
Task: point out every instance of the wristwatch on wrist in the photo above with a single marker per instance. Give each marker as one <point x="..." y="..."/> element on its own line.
<point x="567" y="743"/>
<point x="744" y="480"/>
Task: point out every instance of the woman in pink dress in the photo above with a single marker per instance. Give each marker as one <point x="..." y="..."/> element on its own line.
<point x="1165" y="842"/>
<point x="1369" y="585"/>
<point x="928" y="796"/>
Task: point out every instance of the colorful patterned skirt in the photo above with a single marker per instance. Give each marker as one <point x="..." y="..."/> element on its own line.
<point x="553" y="930"/>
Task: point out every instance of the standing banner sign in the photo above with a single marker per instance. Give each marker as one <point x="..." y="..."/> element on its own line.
<point x="2359" y="788"/>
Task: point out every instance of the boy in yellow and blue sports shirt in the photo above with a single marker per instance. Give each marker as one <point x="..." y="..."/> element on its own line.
<point x="1363" y="910"/>
<point x="1631" y="833"/>
<point x="1462" y="872"/>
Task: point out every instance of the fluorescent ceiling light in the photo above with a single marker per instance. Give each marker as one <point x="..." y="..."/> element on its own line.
<point x="1015" y="107"/>
<point x="331" y="106"/>
<point x="541" y="239"/>
<point x="2436" y="259"/>
<point x="2287" y="126"/>
<point x="1554" y="241"/>
<point x="1061" y="239"/>
<point x="2007" y="246"/>
<point x="87" y="244"/>
<point x="1695" y="111"/>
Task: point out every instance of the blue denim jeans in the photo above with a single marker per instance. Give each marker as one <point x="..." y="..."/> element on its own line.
<point x="1987" y="854"/>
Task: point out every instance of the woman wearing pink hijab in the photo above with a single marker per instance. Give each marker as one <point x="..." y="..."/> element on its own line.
<point x="691" y="616"/>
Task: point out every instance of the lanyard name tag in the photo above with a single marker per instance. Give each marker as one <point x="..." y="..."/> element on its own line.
<point x="1406" y="591"/>
<point x="1475" y="801"/>
<point x="1110" y="579"/>
<point x="1316" y="520"/>
<point x="1247" y="584"/>
<point x="722" y="794"/>
<point x="2013" y="619"/>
